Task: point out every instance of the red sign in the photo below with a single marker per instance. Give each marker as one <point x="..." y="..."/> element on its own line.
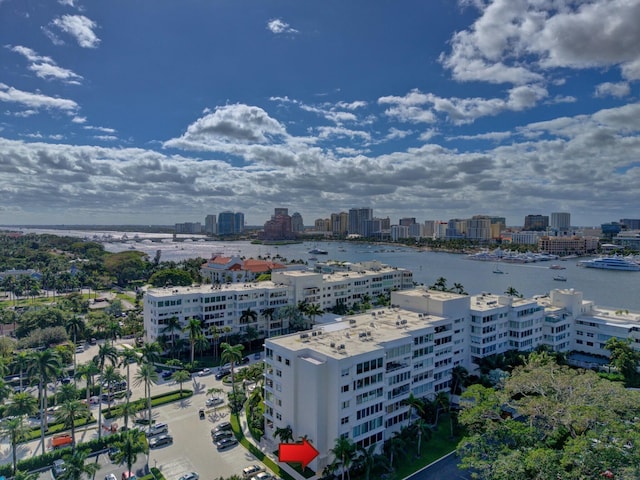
<point x="302" y="453"/>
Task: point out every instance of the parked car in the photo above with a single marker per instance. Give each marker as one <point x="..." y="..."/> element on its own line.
<point x="222" y="435"/>
<point x="58" y="467"/>
<point x="221" y="427"/>
<point x="252" y="470"/>
<point x="66" y="380"/>
<point x="190" y="476"/>
<point x="110" y="476"/>
<point x="201" y="414"/>
<point x="214" y="401"/>
<point x="79" y="349"/>
<point x="160" y="441"/>
<point x="245" y="360"/>
<point x="157" y="429"/>
<point x="113" y="451"/>
<point x="204" y="372"/>
<point x="226" y="443"/>
<point x="257" y="356"/>
<point x="220" y="374"/>
<point x="166" y="374"/>
<point x="263" y="476"/>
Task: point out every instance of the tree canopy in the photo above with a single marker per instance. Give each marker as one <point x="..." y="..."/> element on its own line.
<point x="550" y="421"/>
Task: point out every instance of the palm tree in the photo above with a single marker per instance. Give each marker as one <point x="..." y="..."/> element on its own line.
<point x="248" y="316"/>
<point x="149" y="353"/>
<point x="110" y="376"/>
<point x="267" y="314"/>
<point x="285" y="434"/>
<point x="68" y="412"/>
<point x="459" y="376"/>
<point x="394" y="446"/>
<point x="5" y="390"/>
<point x="127" y="357"/>
<point x="76" y="466"/>
<point x="74" y="326"/>
<point x="22" y="403"/>
<point x="106" y="353"/>
<point x="148" y="376"/>
<point x="232" y="354"/>
<point x="202" y="343"/>
<point x="414" y="403"/>
<point x="442" y="403"/>
<point x="194" y="329"/>
<point x="15" y="429"/>
<point x="87" y="371"/>
<point x="131" y="444"/>
<point x="345" y="450"/>
<point x="180" y="377"/>
<point x="44" y="367"/>
<point x="512" y="292"/>
<point x="458" y="288"/>
<point x="66" y="392"/>
<point x="440" y="284"/>
<point x="251" y="334"/>
<point x="126" y="410"/>
<point x="171" y="327"/>
<point x="369" y="460"/>
<point x="214" y="331"/>
<point x="113" y="330"/>
<point x="313" y="311"/>
<point x="22" y="360"/>
<point x="422" y="429"/>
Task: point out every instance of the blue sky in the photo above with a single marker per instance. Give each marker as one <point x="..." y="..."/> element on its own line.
<point x="156" y="112"/>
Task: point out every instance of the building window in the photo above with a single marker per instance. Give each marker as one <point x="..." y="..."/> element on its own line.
<point x="278" y="373"/>
<point x="345" y="404"/>
<point x="278" y="416"/>
<point x="345" y="388"/>
<point x="345" y="372"/>
<point x="344" y="420"/>
<point x="286" y="362"/>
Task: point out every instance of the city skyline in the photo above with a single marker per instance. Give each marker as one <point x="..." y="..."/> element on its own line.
<point x="135" y="115"/>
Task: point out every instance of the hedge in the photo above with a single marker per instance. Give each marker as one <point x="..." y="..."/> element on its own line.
<point x="156" y="401"/>
<point x="47" y="459"/>
<point x="56" y="428"/>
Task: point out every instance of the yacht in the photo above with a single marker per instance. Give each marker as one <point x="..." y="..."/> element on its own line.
<point x="318" y="251"/>
<point x="611" y="263"/>
<point x="560" y="278"/>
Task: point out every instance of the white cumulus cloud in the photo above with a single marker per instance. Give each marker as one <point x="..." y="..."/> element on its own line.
<point x="279" y="27"/>
<point x="79" y="27"/>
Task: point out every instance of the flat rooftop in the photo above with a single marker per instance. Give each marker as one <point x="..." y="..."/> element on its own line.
<point x="357" y="334"/>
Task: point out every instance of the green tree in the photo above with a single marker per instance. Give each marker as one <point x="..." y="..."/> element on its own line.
<point x="248" y="316"/>
<point x="180" y="377"/>
<point x="285" y="434"/>
<point x="110" y="376"/>
<point x="440" y="284"/>
<point x="22" y="403"/>
<point x="233" y="355"/>
<point x="127" y="357"/>
<point x="106" y="353"/>
<point x="146" y="376"/>
<point x="550" y="421"/>
<point x="88" y="371"/>
<point x="314" y="310"/>
<point x="625" y="358"/>
<point x="68" y="412"/>
<point x="512" y="292"/>
<point x="344" y="450"/>
<point x="44" y="368"/>
<point x="77" y="466"/>
<point x="15" y="430"/>
<point x="369" y="460"/>
<point x="194" y="330"/>
<point x="171" y="328"/>
<point x="131" y="444"/>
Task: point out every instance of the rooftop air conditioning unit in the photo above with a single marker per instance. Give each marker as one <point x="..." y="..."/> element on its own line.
<point x="341" y="347"/>
<point x="332" y="345"/>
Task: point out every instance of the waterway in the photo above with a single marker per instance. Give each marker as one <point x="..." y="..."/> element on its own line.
<point x="616" y="289"/>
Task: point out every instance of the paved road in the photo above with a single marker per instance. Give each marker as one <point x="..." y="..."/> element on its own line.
<point x="192" y="449"/>
<point x="445" y="468"/>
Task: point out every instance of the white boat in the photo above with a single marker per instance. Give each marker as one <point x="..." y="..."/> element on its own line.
<point x="611" y="263"/>
<point x="560" y="278"/>
<point x="557" y="267"/>
<point x="318" y="251"/>
<point x="497" y="270"/>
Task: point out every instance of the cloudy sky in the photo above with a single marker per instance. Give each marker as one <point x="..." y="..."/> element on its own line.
<point x="164" y="111"/>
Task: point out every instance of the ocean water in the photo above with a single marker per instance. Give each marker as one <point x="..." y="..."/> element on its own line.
<point x="617" y="289"/>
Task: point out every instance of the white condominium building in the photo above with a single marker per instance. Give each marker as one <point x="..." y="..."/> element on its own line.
<point x="351" y="377"/>
<point x="222" y="305"/>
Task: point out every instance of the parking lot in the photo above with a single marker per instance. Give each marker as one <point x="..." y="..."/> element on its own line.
<point x="192" y="448"/>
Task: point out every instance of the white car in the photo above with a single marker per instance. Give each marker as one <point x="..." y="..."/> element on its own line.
<point x="110" y="476"/>
<point x="157" y="429"/>
<point x="204" y="372"/>
<point x="252" y="470"/>
<point x="58" y="467"/>
<point x="190" y="476"/>
<point x="214" y="402"/>
<point x="263" y="476"/>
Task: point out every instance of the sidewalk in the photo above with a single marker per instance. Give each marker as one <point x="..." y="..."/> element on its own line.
<point x="284" y="466"/>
